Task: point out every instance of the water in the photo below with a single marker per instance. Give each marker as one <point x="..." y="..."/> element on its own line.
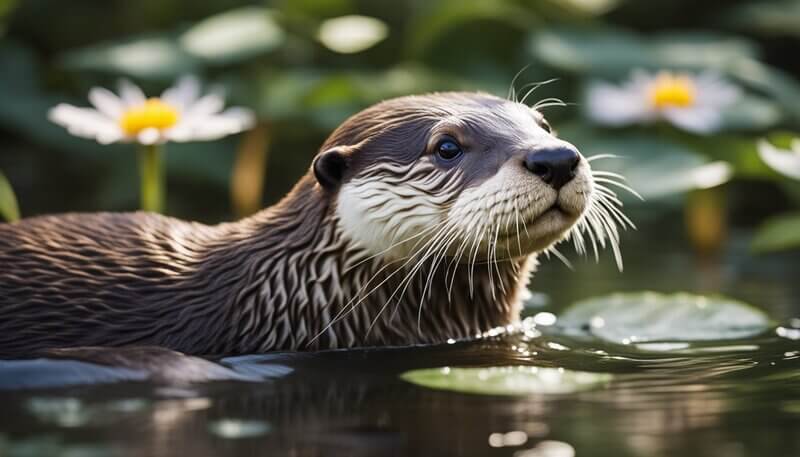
<point x="740" y="398"/>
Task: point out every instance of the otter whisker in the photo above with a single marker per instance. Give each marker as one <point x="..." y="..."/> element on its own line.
<point x="489" y="269"/>
<point x="623" y="220"/>
<point x="550" y="101"/>
<point x="348" y="308"/>
<point x="395" y="244"/>
<point x="611" y="231"/>
<point x="407" y="279"/>
<point x="620" y="185"/>
<point x="516" y="222"/>
<point x="476" y="245"/>
<point x="609" y="174"/>
<point x="601" y="156"/>
<point x="512" y="90"/>
<point x="557" y="254"/>
<point x="457" y="259"/>
<point x="410" y="276"/>
<point x="436" y="261"/>
<point x="533" y="88"/>
<point x="493" y="260"/>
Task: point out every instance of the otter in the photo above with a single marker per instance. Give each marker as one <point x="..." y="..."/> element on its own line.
<point x="419" y="221"/>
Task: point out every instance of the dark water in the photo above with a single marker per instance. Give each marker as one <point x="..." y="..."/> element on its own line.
<point x="741" y="398"/>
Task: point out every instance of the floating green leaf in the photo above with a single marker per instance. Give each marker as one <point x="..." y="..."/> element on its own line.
<point x="9" y="210"/>
<point x="778" y="234"/>
<point x="507" y="380"/>
<point x="650" y="317"/>
<point x="233" y="36"/>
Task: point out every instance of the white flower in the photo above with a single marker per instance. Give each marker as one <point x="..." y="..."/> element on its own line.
<point x="784" y="161"/>
<point x="691" y="102"/>
<point x="180" y="114"/>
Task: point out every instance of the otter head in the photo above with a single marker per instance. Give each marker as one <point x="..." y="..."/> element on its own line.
<point x="467" y="175"/>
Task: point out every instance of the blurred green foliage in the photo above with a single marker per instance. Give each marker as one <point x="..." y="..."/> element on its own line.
<point x="288" y="61"/>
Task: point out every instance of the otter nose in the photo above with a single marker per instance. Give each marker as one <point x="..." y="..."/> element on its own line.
<point x="555" y="166"/>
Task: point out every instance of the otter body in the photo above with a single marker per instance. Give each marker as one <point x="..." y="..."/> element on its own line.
<point x="418" y="222"/>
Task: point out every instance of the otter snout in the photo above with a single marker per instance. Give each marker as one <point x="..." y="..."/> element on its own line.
<point x="555" y="165"/>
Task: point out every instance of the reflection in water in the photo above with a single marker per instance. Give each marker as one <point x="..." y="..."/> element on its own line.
<point x="655" y="403"/>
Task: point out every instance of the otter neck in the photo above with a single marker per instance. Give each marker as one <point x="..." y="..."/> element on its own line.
<point x="305" y="285"/>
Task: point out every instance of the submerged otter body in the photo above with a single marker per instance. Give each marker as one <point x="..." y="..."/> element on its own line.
<point x="418" y="222"/>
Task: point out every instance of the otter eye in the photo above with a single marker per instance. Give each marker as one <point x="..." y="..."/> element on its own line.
<point x="448" y="150"/>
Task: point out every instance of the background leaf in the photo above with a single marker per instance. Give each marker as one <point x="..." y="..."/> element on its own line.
<point x="9" y="209"/>
<point x="778" y="233"/>
<point x="233" y="36"/>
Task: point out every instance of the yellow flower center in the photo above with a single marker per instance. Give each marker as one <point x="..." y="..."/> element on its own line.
<point x="153" y="113"/>
<point x="671" y="90"/>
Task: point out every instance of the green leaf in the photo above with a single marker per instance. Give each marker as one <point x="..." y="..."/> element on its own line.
<point x="507" y="380"/>
<point x="351" y="34"/>
<point x="234" y="36"/>
<point x="655" y="169"/>
<point x="751" y="113"/>
<point x="609" y="52"/>
<point x="9" y="210"/>
<point x="152" y="56"/>
<point x="433" y="22"/>
<point x="779" y="233"/>
<point x="781" y="87"/>
<point x="329" y="97"/>
<point x="767" y="17"/>
<point x="650" y="317"/>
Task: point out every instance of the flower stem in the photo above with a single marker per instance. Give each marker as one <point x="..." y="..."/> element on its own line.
<point x="152" y="176"/>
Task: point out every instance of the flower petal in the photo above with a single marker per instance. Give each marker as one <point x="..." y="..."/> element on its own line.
<point x="699" y="119"/>
<point x="206" y="105"/>
<point x="149" y="136"/>
<point x="783" y="161"/>
<point x="207" y="128"/>
<point x="611" y="105"/>
<point x="86" y="123"/>
<point x="106" y="102"/>
<point x="184" y="93"/>
<point x="131" y="94"/>
<point x="713" y="91"/>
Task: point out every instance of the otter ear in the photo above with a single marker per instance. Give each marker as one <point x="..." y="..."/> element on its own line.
<point x="329" y="167"/>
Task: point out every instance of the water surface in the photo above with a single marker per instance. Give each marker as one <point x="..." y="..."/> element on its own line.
<point x="732" y="398"/>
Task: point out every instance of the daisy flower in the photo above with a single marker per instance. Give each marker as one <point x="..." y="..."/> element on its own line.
<point x="179" y="114"/>
<point x="784" y="161"/>
<point x="695" y="103"/>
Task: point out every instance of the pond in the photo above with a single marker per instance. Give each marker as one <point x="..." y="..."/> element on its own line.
<point x="545" y="392"/>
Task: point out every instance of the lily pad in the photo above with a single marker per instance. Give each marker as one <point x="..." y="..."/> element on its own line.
<point x="507" y="380"/>
<point x="650" y="317"/>
<point x="778" y="233"/>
